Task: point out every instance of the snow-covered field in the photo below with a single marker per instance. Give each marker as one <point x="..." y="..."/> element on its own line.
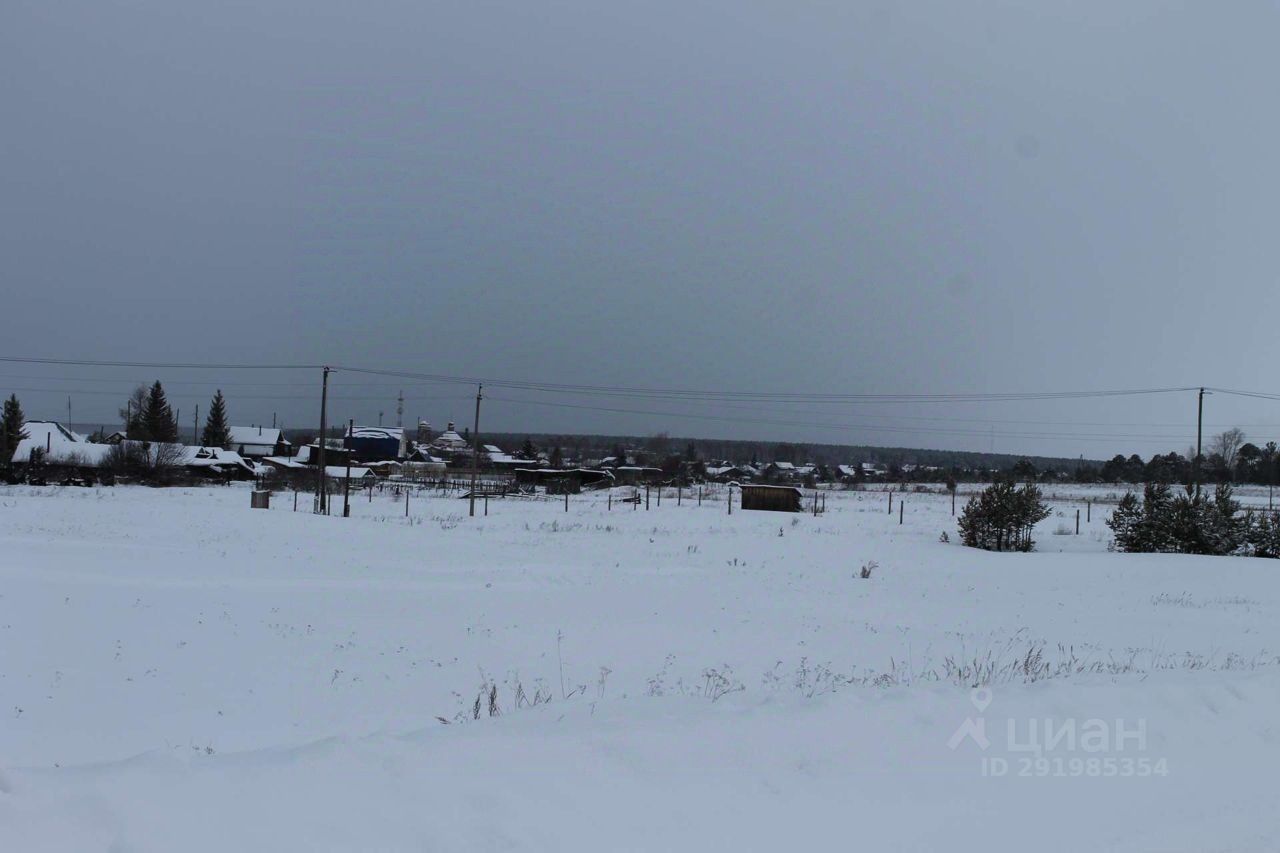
<point x="179" y="672"/>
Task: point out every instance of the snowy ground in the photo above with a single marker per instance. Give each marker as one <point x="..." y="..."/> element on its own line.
<point x="179" y="672"/>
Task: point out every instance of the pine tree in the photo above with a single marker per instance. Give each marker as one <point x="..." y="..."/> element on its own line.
<point x="1187" y="525"/>
<point x="1001" y="517"/>
<point x="1264" y="534"/>
<point x="1126" y="522"/>
<point x="157" y="417"/>
<point x="216" y="432"/>
<point x="11" y="431"/>
<point x="557" y="458"/>
<point x="528" y="450"/>
<point x="1226" y="528"/>
<point x="1154" y="531"/>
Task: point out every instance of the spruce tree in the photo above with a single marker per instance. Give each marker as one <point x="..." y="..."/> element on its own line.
<point x="157" y="417"/>
<point x="216" y="433"/>
<point x="11" y="431"/>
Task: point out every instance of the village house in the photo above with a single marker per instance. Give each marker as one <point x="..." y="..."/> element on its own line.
<point x="257" y="442"/>
<point x="50" y="443"/>
<point x="780" y="470"/>
<point x="375" y="444"/>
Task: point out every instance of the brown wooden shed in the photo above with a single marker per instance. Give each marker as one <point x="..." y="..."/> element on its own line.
<point x="773" y="498"/>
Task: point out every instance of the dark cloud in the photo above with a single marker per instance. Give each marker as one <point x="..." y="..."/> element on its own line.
<point x="703" y="195"/>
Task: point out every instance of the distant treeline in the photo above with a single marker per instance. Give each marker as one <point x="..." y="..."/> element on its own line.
<point x="655" y="448"/>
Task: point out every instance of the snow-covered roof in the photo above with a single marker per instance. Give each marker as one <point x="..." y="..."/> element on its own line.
<point x="339" y="472"/>
<point x="428" y="464"/>
<point x="784" y="466"/>
<point x="251" y="435"/>
<point x="847" y="470"/>
<point x="393" y="433"/>
<point x="44" y="430"/>
<point x="215" y="459"/>
<point x="505" y="459"/>
<point x="60" y="443"/>
<point x="306" y="451"/>
<point x="283" y="462"/>
<point x="449" y="438"/>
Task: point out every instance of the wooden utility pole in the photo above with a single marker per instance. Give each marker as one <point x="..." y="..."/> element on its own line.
<point x="195" y="428"/>
<point x="475" y="448"/>
<point x="321" y="502"/>
<point x="346" y="485"/>
<point x="1195" y="468"/>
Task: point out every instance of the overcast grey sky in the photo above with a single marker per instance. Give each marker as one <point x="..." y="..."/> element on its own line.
<point x="826" y="197"/>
